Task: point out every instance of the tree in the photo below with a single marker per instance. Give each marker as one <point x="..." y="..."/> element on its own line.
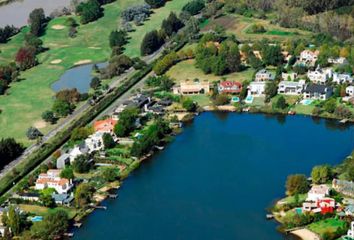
<point x="151" y="42"/>
<point x="117" y="65"/>
<point x="270" y="90"/>
<point x="296" y="184"/>
<point x="82" y="164"/>
<point x="330" y="105"/>
<point x="33" y="41"/>
<point x="14" y="220"/>
<point x="67" y="173"/>
<point x="68" y="95"/>
<point x="37" y="20"/>
<point x="126" y="123"/>
<point x="47" y="200"/>
<point x="321" y="174"/>
<point x="109" y="174"/>
<point x="95" y="82"/>
<point x="117" y="38"/>
<point x="33" y="133"/>
<point x="165" y="63"/>
<point x="194" y="7"/>
<point x="7" y="32"/>
<point x="281" y="103"/>
<point x="272" y="55"/>
<point x="26" y="57"/>
<point x="171" y="25"/>
<point x="108" y="141"/>
<point x="62" y="108"/>
<point x="48" y="116"/>
<point x="83" y="195"/>
<point x="9" y="150"/>
<point x="54" y="225"/>
<point x="89" y="11"/>
<point x="221" y="99"/>
<point x="155" y="3"/>
<point x="81" y="133"/>
<point x="189" y="105"/>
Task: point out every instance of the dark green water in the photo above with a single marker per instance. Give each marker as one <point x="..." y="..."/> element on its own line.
<point x="215" y="180"/>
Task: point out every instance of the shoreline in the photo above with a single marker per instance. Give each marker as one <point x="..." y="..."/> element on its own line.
<point x="305" y="234"/>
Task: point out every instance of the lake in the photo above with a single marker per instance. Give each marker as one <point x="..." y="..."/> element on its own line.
<point x="216" y="179"/>
<point x="77" y="77"/>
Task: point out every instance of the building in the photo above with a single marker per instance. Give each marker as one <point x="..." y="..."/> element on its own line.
<point x="339" y="60"/>
<point x="349" y="91"/>
<point x="26" y="196"/>
<point x="105" y="126"/>
<point x="317" y="92"/>
<point x="63" y="199"/>
<point x="326" y="205"/>
<point x="340" y="78"/>
<point x="263" y="75"/>
<point x="95" y="142"/>
<point x="350" y="233"/>
<point x="256" y="89"/>
<point x="309" y="57"/>
<point x="349" y="210"/>
<point x="78" y="150"/>
<point x="51" y="179"/>
<point x="317" y="192"/>
<point x="344" y="187"/>
<point x="288" y="76"/>
<point x="230" y="87"/>
<point x="291" y="88"/>
<point x="63" y="160"/>
<point x="320" y="76"/>
<point x="192" y="87"/>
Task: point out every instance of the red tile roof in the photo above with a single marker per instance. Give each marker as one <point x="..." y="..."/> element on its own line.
<point x="105" y="125"/>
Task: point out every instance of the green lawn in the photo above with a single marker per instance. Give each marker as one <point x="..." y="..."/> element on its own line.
<point x="187" y="70"/>
<point x="43" y="211"/>
<point x="326" y="226"/>
<point x="202" y="99"/>
<point x="26" y="100"/>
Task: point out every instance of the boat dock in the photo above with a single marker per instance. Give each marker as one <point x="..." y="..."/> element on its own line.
<point x="269" y="216"/>
<point x="99" y="207"/>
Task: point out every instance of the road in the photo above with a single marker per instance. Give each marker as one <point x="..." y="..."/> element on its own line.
<point x="80" y="110"/>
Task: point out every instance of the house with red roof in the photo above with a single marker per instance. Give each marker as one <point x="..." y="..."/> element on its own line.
<point x="52" y="179"/>
<point x="327" y="205"/>
<point x="230" y="87"/>
<point x="105" y="126"/>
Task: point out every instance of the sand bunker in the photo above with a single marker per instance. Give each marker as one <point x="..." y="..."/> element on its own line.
<point x="56" y="61"/>
<point x="305" y="234"/>
<point x="40" y="124"/>
<point x="58" y="27"/>
<point x="94" y="48"/>
<point x="86" y="61"/>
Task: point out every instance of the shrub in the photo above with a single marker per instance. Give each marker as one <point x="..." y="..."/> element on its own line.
<point x="155" y="3"/>
<point x="257" y="28"/>
<point x="152" y="41"/>
<point x="194" y="7"/>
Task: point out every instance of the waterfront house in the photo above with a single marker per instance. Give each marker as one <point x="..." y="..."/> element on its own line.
<point x="349" y="210"/>
<point x="349" y="91"/>
<point x="288" y="76"/>
<point x="326" y="205"/>
<point x="264" y="75"/>
<point x="291" y="88"/>
<point x="317" y="192"/>
<point x="317" y="92"/>
<point x="52" y="179"/>
<point x="63" y="160"/>
<point x="256" y="89"/>
<point x="309" y="57"/>
<point x="320" y="76"/>
<point x="63" y="199"/>
<point x="78" y="150"/>
<point x="192" y="87"/>
<point x="230" y="87"/>
<point x="105" y="126"/>
<point x="95" y="142"/>
<point x="341" y="78"/>
<point x="344" y="187"/>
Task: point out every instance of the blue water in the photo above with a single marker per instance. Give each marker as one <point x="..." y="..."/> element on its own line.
<point x="216" y="179"/>
<point x="77" y="77"/>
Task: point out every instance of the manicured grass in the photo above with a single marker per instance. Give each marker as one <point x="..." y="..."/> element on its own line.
<point x="187" y="70"/>
<point x="26" y="100"/>
<point x="291" y="199"/>
<point x="327" y="226"/>
<point x="202" y="99"/>
<point x="43" y="211"/>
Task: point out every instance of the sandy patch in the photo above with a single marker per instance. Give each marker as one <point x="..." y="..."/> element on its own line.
<point x="94" y="48"/>
<point x="305" y="234"/>
<point x="56" y="61"/>
<point x="40" y="124"/>
<point x="86" y="61"/>
<point x="58" y="27"/>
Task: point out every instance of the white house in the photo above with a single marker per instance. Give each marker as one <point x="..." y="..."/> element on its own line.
<point x="320" y="76"/>
<point x="51" y="179"/>
<point x="309" y="57"/>
<point x="95" y="142"/>
<point x="77" y="151"/>
<point x="339" y="60"/>
<point x="350" y="233"/>
<point x="317" y="192"/>
<point x="291" y="88"/>
<point x="256" y="89"/>
<point x="350" y="91"/>
<point x="317" y="92"/>
<point x="287" y="76"/>
<point x="342" y="78"/>
<point x="264" y="75"/>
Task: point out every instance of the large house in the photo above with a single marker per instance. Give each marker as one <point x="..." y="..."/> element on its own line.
<point x="263" y="75"/>
<point x="95" y="142"/>
<point x="350" y="91"/>
<point x="192" y="87"/>
<point x="320" y="76"/>
<point x="317" y="92"/>
<point x="51" y="179"/>
<point x="256" y="89"/>
<point x="317" y="192"/>
<point x="230" y="87"/>
<point x="344" y="187"/>
<point x="340" y="78"/>
<point x="77" y="151"/>
<point x="309" y="57"/>
<point x="291" y="88"/>
<point x="105" y="126"/>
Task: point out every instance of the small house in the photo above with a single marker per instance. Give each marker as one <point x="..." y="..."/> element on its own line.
<point x="309" y="57"/>
<point x="63" y="199"/>
<point x="63" y="160"/>
<point x="230" y="87"/>
<point x="341" y="78"/>
<point x="264" y="75"/>
<point x="317" y="192"/>
<point x="256" y="89"/>
<point x="320" y="76"/>
<point x="291" y="88"/>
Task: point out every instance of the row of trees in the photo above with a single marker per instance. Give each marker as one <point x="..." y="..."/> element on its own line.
<point x="89" y="11"/>
<point x="137" y="14"/>
<point x="7" y="32"/>
<point x="9" y="150"/>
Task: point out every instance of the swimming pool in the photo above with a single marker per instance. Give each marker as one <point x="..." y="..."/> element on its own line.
<point x="306" y="102"/>
<point x="249" y="99"/>
<point x="298" y="210"/>
<point x="37" y="219"/>
<point x="235" y="99"/>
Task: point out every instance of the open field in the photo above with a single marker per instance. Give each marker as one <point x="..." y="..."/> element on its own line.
<point x="326" y="226"/>
<point x="240" y="25"/>
<point x="43" y="211"/>
<point x="27" y="99"/>
<point x="187" y="70"/>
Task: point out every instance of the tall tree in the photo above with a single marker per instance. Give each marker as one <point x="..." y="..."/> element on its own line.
<point x="37" y="20"/>
<point x="151" y="42"/>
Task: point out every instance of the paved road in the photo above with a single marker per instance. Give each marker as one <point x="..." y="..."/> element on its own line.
<point x="80" y="110"/>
